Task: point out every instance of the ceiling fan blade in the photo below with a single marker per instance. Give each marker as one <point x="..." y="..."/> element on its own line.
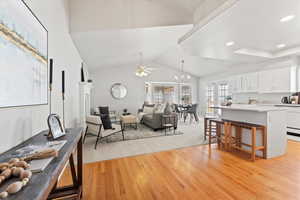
<point x="152" y="68"/>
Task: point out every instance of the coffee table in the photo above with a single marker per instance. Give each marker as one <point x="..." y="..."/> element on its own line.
<point x="129" y="120"/>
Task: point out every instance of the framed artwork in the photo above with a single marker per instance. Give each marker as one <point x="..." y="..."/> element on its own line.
<point x="56" y="127"/>
<point x="23" y="56"/>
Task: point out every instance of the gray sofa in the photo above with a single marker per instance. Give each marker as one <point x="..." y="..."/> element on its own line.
<point x="154" y="120"/>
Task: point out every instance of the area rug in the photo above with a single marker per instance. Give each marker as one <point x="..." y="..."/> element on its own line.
<point x="149" y="141"/>
<point x="142" y="132"/>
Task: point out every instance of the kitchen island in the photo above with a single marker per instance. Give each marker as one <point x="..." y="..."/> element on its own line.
<point x="273" y="118"/>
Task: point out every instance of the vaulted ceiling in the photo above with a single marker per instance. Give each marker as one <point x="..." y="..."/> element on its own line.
<point x="256" y="30"/>
<point x="110" y="33"/>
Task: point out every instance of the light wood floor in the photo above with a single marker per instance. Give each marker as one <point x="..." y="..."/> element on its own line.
<point x="194" y="173"/>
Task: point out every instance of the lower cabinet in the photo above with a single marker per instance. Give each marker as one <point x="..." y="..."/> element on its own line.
<point x="293" y="121"/>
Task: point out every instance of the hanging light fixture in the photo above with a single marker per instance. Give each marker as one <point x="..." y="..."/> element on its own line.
<point x="183" y="76"/>
<point x="142" y="70"/>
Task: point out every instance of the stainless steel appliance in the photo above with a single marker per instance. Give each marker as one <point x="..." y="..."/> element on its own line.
<point x="286" y="100"/>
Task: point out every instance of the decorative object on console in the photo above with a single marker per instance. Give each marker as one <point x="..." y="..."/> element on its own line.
<point x="118" y="91"/>
<point x="24" y="42"/>
<point x="50" y="85"/>
<point x="56" y="128"/>
<point x="46" y="153"/>
<point x="63" y="94"/>
<point x="14" y="168"/>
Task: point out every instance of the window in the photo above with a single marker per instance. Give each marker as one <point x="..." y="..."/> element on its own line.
<point x="163" y="94"/>
<point x="186" y="94"/>
<point x="210" y="98"/>
<point x="223" y="92"/>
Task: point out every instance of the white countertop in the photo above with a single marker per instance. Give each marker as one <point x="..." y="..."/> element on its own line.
<point x="255" y="108"/>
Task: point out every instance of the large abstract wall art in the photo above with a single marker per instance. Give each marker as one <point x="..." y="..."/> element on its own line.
<point x="23" y="56"/>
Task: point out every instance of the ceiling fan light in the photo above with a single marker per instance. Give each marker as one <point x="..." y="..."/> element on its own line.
<point x="230" y="43"/>
<point x="287" y="18"/>
<point x="280" y="46"/>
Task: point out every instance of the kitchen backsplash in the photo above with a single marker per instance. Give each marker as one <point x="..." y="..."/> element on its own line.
<point x="261" y="98"/>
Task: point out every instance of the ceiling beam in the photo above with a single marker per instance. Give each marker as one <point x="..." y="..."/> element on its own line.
<point x="211" y="12"/>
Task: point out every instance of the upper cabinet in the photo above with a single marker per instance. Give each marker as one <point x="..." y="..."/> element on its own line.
<point x="245" y="83"/>
<point x="250" y="82"/>
<point x="281" y="80"/>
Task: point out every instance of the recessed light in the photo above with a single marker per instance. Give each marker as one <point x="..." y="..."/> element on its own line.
<point x="280" y="46"/>
<point x="229" y="43"/>
<point x="287" y="18"/>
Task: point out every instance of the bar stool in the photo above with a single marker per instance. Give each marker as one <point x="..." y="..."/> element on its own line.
<point x="207" y="126"/>
<point x="238" y="144"/>
<point x="223" y="138"/>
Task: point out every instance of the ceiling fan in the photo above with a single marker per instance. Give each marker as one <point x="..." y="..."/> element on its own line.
<point x="142" y="70"/>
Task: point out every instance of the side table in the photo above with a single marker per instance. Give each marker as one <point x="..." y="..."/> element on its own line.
<point x="168" y="122"/>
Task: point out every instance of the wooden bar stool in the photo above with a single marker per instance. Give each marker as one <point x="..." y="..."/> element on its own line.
<point x="223" y="137"/>
<point x="238" y="144"/>
<point x="207" y="125"/>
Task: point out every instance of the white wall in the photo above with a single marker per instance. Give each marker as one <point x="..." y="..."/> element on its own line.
<point x="105" y="78"/>
<point x="17" y="124"/>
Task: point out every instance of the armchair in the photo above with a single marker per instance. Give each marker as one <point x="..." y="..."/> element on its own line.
<point x="94" y="128"/>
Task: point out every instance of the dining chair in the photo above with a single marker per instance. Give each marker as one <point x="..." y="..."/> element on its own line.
<point x="192" y="112"/>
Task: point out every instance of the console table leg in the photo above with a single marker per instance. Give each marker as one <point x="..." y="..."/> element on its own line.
<point x="73" y="171"/>
<point x="79" y="167"/>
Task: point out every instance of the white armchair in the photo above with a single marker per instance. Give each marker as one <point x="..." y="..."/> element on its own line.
<point x="94" y="128"/>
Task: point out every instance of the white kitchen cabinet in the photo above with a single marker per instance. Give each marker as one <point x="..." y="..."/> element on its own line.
<point x="244" y="83"/>
<point x="293" y="120"/>
<point x="250" y="82"/>
<point x="235" y="83"/>
<point x="281" y="80"/>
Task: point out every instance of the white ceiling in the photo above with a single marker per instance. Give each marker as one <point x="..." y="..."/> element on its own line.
<point x="112" y="48"/>
<point x="254" y="25"/>
<point x="251" y="24"/>
<point x="189" y="5"/>
<point x="95" y="15"/>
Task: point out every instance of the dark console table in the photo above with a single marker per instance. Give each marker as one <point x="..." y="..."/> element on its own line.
<point x="43" y="185"/>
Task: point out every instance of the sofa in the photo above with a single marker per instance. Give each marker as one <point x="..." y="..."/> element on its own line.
<point x="154" y="119"/>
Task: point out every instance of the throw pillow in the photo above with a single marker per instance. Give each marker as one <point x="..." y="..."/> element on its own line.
<point x="147" y="104"/>
<point x="162" y="108"/>
<point x="156" y="108"/>
<point x="148" y="109"/>
<point x="168" y="109"/>
<point x="106" y="122"/>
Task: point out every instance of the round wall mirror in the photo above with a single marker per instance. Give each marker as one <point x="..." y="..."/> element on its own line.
<point x="118" y="91"/>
